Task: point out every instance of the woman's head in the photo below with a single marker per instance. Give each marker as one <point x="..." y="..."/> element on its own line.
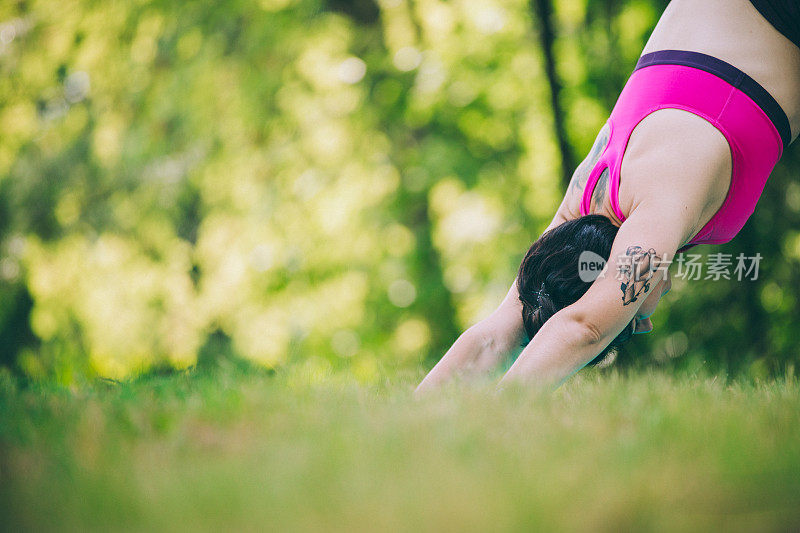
<point x="549" y="278"/>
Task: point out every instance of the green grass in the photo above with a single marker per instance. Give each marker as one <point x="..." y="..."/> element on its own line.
<point x="239" y="450"/>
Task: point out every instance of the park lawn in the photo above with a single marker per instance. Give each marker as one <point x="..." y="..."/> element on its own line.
<point x="238" y="449"/>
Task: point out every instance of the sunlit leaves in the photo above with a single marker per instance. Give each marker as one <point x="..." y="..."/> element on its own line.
<point x="307" y="187"/>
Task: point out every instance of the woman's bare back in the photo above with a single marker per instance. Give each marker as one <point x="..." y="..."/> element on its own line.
<point x="730" y="30"/>
<point x="735" y="32"/>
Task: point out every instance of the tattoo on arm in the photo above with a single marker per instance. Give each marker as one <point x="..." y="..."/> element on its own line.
<point x="637" y="269"/>
<point x="581" y="173"/>
<point x="599" y="193"/>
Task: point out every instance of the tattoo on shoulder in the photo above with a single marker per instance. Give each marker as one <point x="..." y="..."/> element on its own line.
<point x="637" y="269"/>
<point x="599" y="193"/>
<point x="581" y="173"/>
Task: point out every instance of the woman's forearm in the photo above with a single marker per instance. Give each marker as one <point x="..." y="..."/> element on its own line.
<point x="563" y="346"/>
<point x="478" y="351"/>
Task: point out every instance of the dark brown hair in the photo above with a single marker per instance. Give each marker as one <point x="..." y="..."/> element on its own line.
<point x="548" y="278"/>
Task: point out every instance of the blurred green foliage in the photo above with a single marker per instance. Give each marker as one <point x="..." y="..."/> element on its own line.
<point x="347" y="184"/>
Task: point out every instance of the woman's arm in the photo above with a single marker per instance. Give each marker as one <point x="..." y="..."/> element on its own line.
<point x="643" y="248"/>
<point x="482" y="347"/>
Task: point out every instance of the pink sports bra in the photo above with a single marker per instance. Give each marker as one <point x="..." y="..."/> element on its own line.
<point x="753" y="123"/>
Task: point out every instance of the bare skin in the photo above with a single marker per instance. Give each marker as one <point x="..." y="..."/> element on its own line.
<point x="669" y="146"/>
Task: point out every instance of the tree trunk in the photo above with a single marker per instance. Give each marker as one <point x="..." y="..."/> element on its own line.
<point x="543" y="12"/>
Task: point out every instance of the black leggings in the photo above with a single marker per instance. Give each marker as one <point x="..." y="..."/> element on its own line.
<point x="784" y="15"/>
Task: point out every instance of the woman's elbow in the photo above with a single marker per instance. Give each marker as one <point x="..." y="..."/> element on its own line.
<point x="586" y="327"/>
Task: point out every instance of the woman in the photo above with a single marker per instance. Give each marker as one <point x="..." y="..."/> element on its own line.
<point x="681" y="161"/>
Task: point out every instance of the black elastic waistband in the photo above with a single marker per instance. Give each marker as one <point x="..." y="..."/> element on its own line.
<point x="730" y="74"/>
